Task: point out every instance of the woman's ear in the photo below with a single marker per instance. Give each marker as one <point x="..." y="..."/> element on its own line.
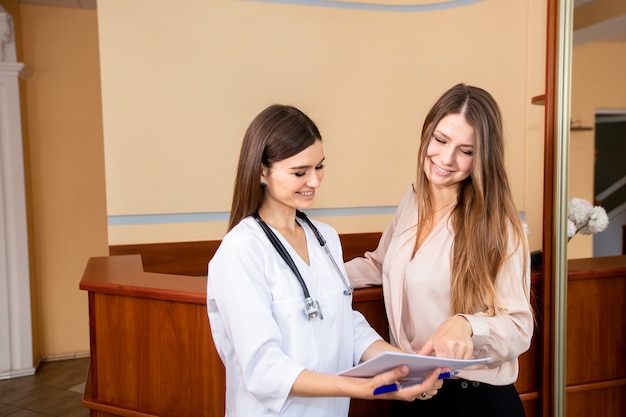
<point x="264" y="173"/>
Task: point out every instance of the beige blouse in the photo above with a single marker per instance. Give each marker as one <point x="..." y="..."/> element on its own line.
<point x="417" y="295"/>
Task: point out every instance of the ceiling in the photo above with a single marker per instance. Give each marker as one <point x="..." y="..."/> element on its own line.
<point x="612" y="29"/>
<point x="589" y="27"/>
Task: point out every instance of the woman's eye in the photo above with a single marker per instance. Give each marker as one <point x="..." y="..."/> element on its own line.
<point x="320" y="166"/>
<point x="438" y="140"/>
<point x="300" y="174"/>
<point x="469" y="153"/>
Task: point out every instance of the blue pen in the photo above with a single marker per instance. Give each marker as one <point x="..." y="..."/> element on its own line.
<point x="409" y="383"/>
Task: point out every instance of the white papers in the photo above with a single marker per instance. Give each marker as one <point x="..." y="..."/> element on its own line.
<point x="419" y="365"/>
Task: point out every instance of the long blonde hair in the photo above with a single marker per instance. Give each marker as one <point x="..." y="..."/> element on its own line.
<point x="485" y="214"/>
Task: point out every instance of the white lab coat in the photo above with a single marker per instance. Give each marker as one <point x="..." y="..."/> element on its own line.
<point x="256" y="311"/>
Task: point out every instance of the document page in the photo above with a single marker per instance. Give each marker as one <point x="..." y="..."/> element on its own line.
<point x="419" y="365"/>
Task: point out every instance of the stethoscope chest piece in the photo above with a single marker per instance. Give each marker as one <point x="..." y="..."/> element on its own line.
<point x="312" y="309"/>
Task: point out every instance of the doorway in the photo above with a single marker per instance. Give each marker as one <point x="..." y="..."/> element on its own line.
<point x="610" y="179"/>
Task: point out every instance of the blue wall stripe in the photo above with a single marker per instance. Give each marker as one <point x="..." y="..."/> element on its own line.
<point x="376" y="6"/>
<point x="219" y="216"/>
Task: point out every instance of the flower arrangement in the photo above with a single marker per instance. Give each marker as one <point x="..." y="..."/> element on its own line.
<point x="584" y="218"/>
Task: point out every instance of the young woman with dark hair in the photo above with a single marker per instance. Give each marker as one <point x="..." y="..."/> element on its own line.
<point x="279" y="303"/>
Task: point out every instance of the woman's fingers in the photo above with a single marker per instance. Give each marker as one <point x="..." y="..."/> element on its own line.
<point x="427" y="349"/>
<point x="426" y="389"/>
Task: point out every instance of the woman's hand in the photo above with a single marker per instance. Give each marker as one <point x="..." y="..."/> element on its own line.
<point x="316" y="384"/>
<point x="453" y="339"/>
<point x="423" y="391"/>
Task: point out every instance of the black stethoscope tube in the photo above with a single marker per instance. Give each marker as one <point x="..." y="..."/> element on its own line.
<point x="282" y="252"/>
<point x="311" y="307"/>
<point x="349" y="288"/>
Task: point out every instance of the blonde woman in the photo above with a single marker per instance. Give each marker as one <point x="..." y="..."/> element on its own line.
<point x="454" y="263"/>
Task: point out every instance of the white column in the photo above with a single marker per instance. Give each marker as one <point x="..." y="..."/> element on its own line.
<point x="16" y="344"/>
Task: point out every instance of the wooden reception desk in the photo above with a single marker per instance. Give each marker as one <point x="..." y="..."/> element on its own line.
<point x="152" y="353"/>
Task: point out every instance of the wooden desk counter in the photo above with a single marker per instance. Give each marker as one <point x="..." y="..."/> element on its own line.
<point x="151" y="348"/>
<point x="152" y="353"/>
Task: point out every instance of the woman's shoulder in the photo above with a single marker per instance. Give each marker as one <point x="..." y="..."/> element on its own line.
<point x="409" y="199"/>
<point x="245" y="234"/>
<point x="409" y="194"/>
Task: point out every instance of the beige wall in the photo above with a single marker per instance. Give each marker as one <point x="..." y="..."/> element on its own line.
<point x="180" y="88"/>
<point x="67" y="192"/>
<point x="180" y="85"/>
<point x="598" y="82"/>
<point x="533" y="135"/>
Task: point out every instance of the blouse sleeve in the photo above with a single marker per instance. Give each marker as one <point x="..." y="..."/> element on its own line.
<point x="364" y="335"/>
<point x="368" y="270"/>
<point x="505" y="336"/>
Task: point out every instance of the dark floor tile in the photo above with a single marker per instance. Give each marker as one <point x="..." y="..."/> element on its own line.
<point x="25" y="413"/>
<point x="54" y="391"/>
<point x="80" y="363"/>
<point x="6" y="384"/>
<point x="78" y="411"/>
<point x="59" y="375"/>
<point x="15" y="393"/>
<point x="49" y="400"/>
<point x="7" y="410"/>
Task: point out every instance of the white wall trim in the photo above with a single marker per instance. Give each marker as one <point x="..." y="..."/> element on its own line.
<point x="378" y="6"/>
<point x="16" y="344"/>
<point x="221" y="216"/>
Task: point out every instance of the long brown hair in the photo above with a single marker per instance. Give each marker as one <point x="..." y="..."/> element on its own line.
<point x="485" y="213"/>
<point x="277" y="133"/>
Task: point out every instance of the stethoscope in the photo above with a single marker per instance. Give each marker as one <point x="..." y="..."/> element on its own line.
<point x="311" y="306"/>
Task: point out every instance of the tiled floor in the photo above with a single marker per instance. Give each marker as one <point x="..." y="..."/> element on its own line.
<point x="56" y="389"/>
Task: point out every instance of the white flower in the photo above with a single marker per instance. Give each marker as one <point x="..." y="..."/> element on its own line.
<point x="578" y="211"/>
<point x="598" y="221"/>
<point x="585" y="218"/>
<point x="571" y="228"/>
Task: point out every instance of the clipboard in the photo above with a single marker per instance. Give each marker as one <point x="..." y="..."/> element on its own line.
<point x="419" y="365"/>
